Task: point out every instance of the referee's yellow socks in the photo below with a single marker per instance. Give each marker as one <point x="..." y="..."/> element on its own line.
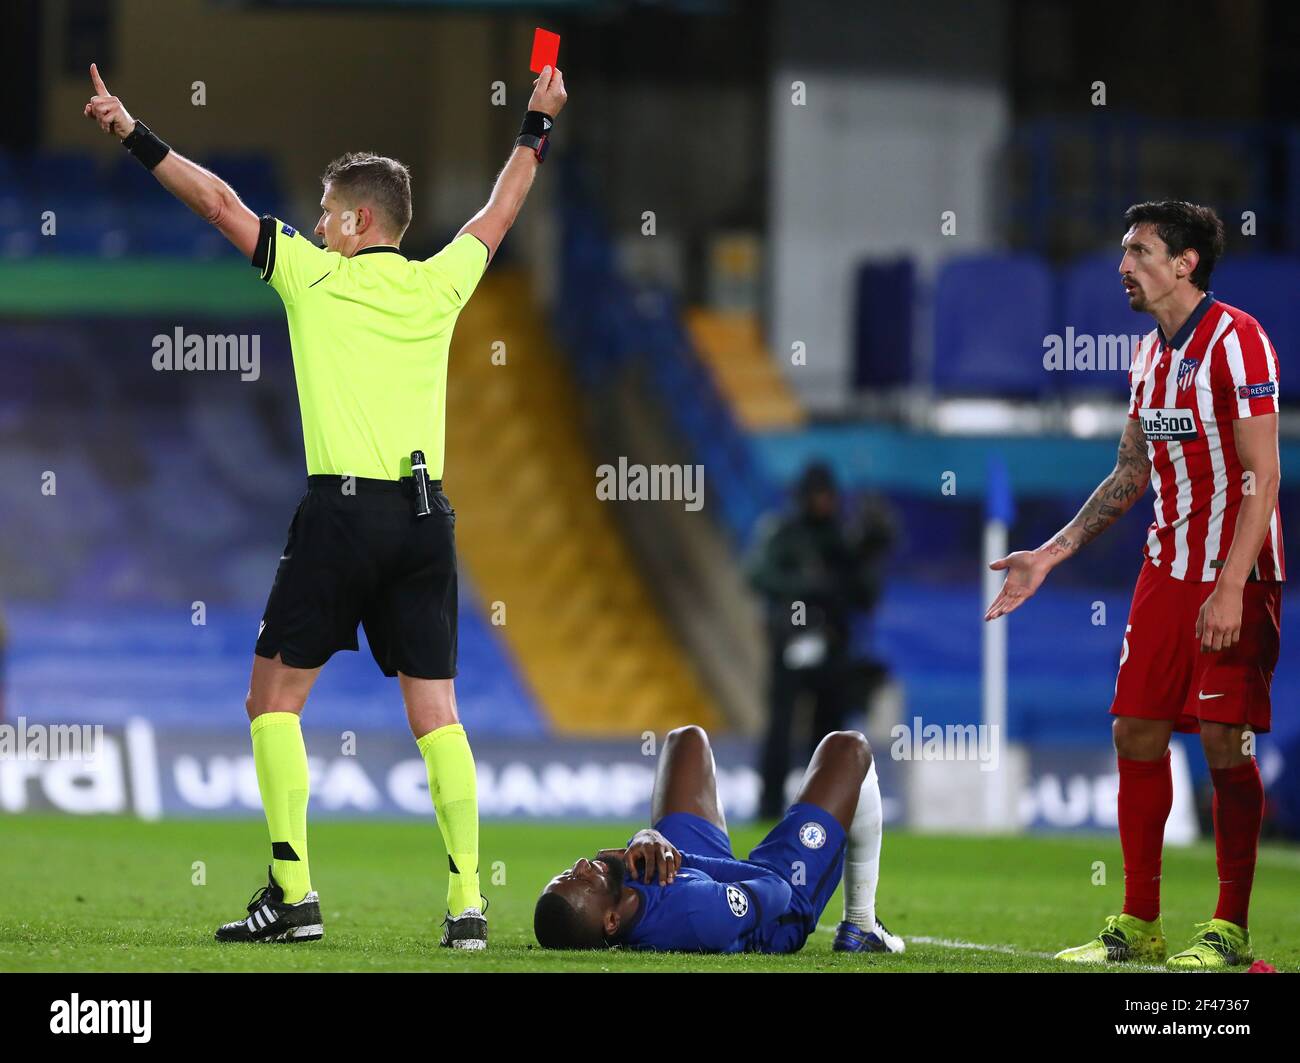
<point x="454" y="789"/>
<point x="281" y="759"/>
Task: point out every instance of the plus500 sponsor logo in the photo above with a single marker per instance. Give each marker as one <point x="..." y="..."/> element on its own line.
<point x="1171" y="424"/>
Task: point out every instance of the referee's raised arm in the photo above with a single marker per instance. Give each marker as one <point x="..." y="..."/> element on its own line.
<point x="201" y="190"/>
<point x="491" y="224"/>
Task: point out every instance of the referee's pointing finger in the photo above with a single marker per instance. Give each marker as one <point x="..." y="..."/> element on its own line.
<point x="100" y="88"/>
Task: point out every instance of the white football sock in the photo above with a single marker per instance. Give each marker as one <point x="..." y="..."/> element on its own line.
<point x="862" y="859"/>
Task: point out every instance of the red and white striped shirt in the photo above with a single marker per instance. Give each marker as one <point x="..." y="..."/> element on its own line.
<point x="1187" y="392"/>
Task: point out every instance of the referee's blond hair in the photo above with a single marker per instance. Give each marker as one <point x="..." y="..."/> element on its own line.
<point x="381" y="182"/>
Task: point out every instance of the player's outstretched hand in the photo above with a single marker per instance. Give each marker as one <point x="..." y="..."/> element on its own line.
<point x="656" y="855"/>
<point x="548" y="95"/>
<point x="107" y="109"/>
<point x="1026" y="570"/>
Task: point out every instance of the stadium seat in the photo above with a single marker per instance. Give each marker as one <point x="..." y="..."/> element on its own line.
<point x="18" y="241"/>
<point x="1266" y="287"/>
<point x="128" y="183"/>
<point x="92" y="228"/>
<point x="884" y="301"/>
<point x="169" y="228"/>
<point x="991" y="315"/>
<point x="1092" y="303"/>
<point x="253" y="178"/>
<point x="61" y="175"/>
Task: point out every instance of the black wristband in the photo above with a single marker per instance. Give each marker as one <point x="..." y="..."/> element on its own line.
<point x="145" y="146"/>
<point x="536" y="124"/>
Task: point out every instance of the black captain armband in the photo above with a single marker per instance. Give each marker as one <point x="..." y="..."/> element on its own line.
<point x="535" y="134"/>
<point x="145" y="146"/>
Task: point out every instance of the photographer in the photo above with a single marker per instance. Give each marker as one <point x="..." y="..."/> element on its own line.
<point x="815" y="575"/>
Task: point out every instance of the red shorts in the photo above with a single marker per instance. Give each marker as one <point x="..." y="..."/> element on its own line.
<point x="1163" y="675"/>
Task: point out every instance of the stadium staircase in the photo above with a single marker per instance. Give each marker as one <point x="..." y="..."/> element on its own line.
<point x="579" y="618"/>
<point x="731" y="346"/>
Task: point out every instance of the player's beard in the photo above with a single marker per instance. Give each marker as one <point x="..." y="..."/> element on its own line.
<point x="616" y="875"/>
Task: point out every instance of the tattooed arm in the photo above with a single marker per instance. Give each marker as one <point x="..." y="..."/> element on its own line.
<point x="1114" y="496"/>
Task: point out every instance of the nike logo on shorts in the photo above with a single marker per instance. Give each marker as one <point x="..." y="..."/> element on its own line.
<point x="1202" y="696"/>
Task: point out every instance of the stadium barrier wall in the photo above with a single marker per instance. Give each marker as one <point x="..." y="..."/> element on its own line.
<point x="153" y="773"/>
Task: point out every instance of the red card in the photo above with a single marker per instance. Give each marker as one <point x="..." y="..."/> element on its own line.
<point x="546" y="50"/>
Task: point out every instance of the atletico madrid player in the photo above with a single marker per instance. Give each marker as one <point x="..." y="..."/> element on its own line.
<point x="1202" y="636"/>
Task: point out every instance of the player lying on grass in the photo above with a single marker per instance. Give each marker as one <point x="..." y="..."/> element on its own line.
<point x="678" y="887"/>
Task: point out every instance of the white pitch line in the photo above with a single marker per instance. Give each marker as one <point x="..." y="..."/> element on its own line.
<point x="975" y="946"/>
<point x="1008" y="950"/>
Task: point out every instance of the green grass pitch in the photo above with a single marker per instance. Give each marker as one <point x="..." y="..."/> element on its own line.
<point x="100" y="894"/>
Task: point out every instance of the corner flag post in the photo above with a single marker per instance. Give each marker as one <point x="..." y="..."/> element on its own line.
<point x="1000" y="813"/>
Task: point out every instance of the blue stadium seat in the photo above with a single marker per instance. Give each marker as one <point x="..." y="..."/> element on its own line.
<point x="169" y="228"/>
<point x="991" y="315"/>
<point x="70" y="185"/>
<point x="91" y="227"/>
<point x="19" y="240"/>
<point x="1092" y="303"/>
<point x="1267" y="287"/>
<point x="129" y="183"/>
<point x="1093" y="299"/>
<point x="884" y="301"/>
<point x="252" y="177"/>
<point x="62" y="175"/>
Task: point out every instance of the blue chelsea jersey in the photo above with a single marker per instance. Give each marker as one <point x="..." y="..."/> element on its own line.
<point x="712" y="905"/>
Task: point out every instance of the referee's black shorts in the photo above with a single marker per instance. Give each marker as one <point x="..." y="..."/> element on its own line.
<point x="365" y="558"/>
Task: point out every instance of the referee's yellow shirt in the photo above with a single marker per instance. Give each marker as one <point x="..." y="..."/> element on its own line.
<point x="370" y="336"/>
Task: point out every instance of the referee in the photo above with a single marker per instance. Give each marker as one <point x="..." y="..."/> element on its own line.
<point x="372" y="541"/>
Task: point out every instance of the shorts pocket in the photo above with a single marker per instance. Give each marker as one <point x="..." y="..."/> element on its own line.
<point x="294" y="525"/>
<point x="442" y="504"/>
